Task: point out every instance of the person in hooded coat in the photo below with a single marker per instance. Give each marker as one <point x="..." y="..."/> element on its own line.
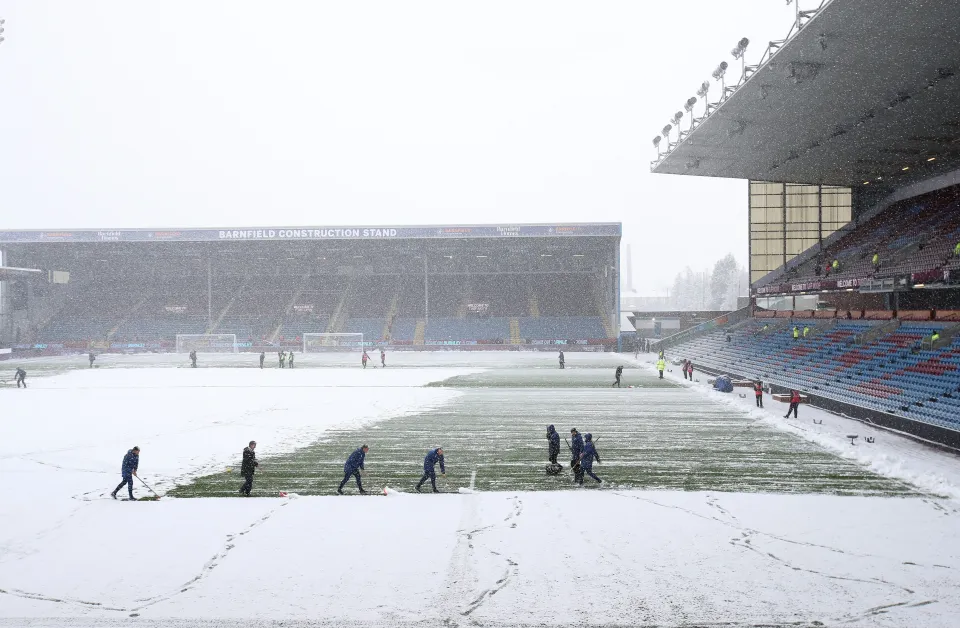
<point x="554" y="443"/>
<point x="587" y="457"/>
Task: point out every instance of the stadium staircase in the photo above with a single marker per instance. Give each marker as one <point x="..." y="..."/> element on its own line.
<point x="515" y="337"/>
<point x="278" y="326"/>
<point x="226" y="310"/>
<point x="391" y="313"/>
<point x="604" y="319"/>
<point x="467" y="298"/>
<point x="533" y="305"/>
<point x="877" y="331"/>
<point x="420" y="332"/>
<point x="342" y="313"/>
<point x="125" y="317"/>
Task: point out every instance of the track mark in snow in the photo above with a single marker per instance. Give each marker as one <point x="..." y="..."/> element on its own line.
<point x="511" y="572"/>
<point x="746" y="543"/>
<point x="208" y="567"/>
<point x="751" y="531"/>
<point x="60" y="600"/>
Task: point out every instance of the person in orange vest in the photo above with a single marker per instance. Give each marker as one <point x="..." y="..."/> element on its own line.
<point x="758" y="391"/>
<point x="690" y="369"/>
<point x="794" y="404"/>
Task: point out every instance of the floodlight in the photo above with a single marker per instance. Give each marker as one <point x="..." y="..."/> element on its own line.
<point x="704" y="88"/>
<point x="741" y="48"/>
<point x="720" y="71"/>
<point x="688" y="106"/>
<point x="656" y="141"/>
<point x="665" y="131"/>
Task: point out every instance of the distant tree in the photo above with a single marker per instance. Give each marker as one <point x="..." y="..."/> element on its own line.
<point x="724" y="284"/>
<point x="710" y="291"/>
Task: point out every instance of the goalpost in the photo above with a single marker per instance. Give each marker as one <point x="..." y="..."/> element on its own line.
<point x="328" y="343"/>
<point x="207" y="343"/>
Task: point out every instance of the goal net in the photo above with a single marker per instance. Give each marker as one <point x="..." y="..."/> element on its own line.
<point x="207" y="343"/>
<point x="321" y="343"/>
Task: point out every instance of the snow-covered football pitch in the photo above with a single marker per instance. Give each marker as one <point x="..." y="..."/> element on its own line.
<point x="712" y="512"/>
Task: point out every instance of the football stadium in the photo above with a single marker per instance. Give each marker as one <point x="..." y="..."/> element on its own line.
<point x="528" y="462"/>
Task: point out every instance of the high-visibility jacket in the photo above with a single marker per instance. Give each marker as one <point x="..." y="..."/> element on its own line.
<point x="806" y="330"/>
<point x="956" y="249"/>
<point x="836" y="264"/>
<point x="935" y="337"/>
<point x="876" y="259"/>
<point x="661" y="364"/>
<point x="796" y="332"/>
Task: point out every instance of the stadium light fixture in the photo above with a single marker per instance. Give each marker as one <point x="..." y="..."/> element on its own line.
<point x="739" y="52"/>
<point x="2" y="22"/>
<point x="481" y="256"/>
<point x="578" y="254"/>
<point x="702" y="93"/>
<point x="665" y="131"/>
<point x="688" y="107"/>
<point x="932" y="159"/>
<point x="656" y="144"/>
<point x="905" y="168"/>
<point x="718" y="75"/>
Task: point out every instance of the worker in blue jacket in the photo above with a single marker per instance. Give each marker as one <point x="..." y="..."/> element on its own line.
<point x="576" y="449"/>
<point x="431" y="460"/>
<point x="554" y="447"/>
<point x="587" y="457"/>
<point x="128" y="469"/>
<point x="353" y="466"/>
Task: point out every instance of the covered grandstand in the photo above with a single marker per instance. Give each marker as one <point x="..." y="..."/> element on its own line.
<point x="492" y="287"/>
<point x="849" y="133"/>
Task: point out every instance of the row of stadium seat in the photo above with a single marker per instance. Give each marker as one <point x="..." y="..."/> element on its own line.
<point x="909" y="237"/>
<point x="892" y="373"/>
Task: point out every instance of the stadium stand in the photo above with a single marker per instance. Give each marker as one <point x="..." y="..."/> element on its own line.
<point x="494" y="286"/>
<point x="887" y="366"/>
<point x="910" y="238"/>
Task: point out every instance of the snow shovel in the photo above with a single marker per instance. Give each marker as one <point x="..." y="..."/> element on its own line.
<point x="148" y="487"/>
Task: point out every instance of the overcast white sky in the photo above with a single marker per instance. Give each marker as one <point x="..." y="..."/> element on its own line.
<point x="205" y="113"/>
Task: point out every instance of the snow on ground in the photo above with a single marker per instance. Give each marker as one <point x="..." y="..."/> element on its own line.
<point x="891" y="454"/>
<point x="598" y="558"/>
<point x="500" y="559"/>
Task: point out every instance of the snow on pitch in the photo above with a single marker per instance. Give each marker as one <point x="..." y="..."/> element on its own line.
<point x="601" y="558"/>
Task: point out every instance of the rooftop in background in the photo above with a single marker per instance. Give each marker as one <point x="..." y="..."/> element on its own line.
<point x="866" y="89"/>
<point x="314" y="233"/>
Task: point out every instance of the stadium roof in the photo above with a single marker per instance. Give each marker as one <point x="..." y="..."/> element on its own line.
<point x="866" y="89"/>
<point x="315" y="233"/>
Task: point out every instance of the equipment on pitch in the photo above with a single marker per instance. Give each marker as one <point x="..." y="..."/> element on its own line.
<point x="207" y="343"/>
<point x="553" y="469"/>
<point x="148" y="487"/>
<point x="330" y="343"/>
